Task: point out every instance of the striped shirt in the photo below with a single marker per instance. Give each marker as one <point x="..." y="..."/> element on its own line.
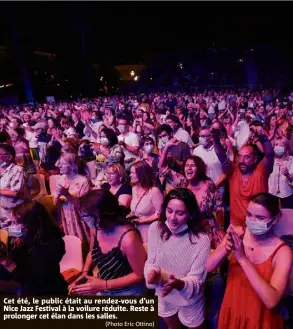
<point x="113" y="264"/>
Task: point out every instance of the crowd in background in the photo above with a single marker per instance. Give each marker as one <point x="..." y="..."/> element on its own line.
<point x="178" y="195"/>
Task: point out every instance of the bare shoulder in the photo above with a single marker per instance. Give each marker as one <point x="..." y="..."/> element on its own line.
<point x="283" y="256"/>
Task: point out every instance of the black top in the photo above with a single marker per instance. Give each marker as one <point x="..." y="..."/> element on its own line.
<point x="113" y="264"/>
<point x="124" y="189"/>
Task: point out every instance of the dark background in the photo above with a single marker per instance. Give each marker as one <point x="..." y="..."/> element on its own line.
<point x="115" y="33"/>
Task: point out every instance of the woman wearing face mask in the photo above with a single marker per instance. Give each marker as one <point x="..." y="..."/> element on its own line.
<point x="108" y="152"/>
<point x="178" y="248"/>
<point x="281" y="179"/>
<point x="116" y="251"/>
<point x="36" y="251"/>
<point x="259" y="269"/>
<point x="147" y="154"/>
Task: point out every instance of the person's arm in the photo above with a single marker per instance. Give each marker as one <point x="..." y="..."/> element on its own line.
<point x="222" y="156"/>
<point x="125" y="200"/>
<point x="217" y="257"/>
<point x="7" y="192"/>
<point x="148" y="125"/>
<point x="269" y="154"/>
<point x="133" y="249"/>
<point x="230" y="149"/>
<point x="133" y="149"/>
<point x="150" y="266"/>
<point x="271" y="292"/>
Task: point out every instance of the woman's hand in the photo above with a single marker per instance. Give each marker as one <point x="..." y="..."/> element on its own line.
<point x="90" y="288"/>
<point x="82" y="277"/>
<point x="138" y="221"/>
<point x="238" y="247"/>
<point x="154" y="277"/>
<point x="171" y="284"/>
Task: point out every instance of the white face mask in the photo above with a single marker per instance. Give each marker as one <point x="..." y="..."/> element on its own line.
<point x="279" y="150"/>
<point x="164" y="140"/>
<point x="202" y="141"/>
<point x="121" y="128"/>
<point x="179" y="230"/>
<point x="104" y="141"/>
<point x="259" y="227"/>
<point x="149" y="149"/>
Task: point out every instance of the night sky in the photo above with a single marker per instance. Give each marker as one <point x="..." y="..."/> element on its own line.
<point x="123" y="31"/>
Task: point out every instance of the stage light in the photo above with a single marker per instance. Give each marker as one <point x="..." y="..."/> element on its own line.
<point x="136" y="78"/>
<point x="132" y="73"/>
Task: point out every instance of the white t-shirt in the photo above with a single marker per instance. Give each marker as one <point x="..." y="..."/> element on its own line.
<point x="214" y="167"/>
<point x="183" y="136"/>
<point x="32" y="139"/>
<point x="132" y="140"/>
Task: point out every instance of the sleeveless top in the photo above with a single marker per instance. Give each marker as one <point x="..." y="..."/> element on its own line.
<point x="242" y="308"/>
<point x="113" y="264"/>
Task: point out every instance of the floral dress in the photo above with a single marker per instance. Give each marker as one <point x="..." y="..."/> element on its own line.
<point x="71" y="222"/>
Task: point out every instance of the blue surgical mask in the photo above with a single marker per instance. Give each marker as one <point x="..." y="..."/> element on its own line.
<point x="149" y="149"/>
<point x="94" y="120"/>
<point x="179" y="230"/>
<point x="16" y="231"/>
<point x="279" y="150"/>
<point x="259" y="227"/>
<point x="121" y="128"/>
<point x="202" y="141"/>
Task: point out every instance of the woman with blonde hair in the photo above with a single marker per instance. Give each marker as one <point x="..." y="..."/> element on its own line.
<point x="117" y="178"/>
<point x="70" y="187"/>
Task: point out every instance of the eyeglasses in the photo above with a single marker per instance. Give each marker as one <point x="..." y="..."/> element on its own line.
<point x="4" y="154"/>
<point x="110" y="174"/>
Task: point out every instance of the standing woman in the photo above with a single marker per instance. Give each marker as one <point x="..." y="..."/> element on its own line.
<point x="281" y="178"/>
<point x="147" y="199"/>
<point x="70" y="187"/>
<point x="259" y="269"/>
<point x="178" y="249"/>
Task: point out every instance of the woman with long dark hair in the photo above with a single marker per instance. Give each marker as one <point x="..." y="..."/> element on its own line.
<point x="146" y="200"/>
<point x="36" y="248"/>
<point x="259" y="269"/>
<point x="178" y="248"/>
<point x="116" y="250"/>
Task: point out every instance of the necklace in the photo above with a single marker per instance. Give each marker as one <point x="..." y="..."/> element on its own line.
<point x="264" y="242"/>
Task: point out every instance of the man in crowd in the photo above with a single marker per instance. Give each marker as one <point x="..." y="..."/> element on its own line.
<point x="247" y="177"/>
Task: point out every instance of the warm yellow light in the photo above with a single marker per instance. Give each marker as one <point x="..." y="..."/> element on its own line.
<point x="132" y="73"/>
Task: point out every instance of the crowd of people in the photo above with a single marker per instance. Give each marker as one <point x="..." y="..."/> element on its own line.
<point x="177" y="195"/>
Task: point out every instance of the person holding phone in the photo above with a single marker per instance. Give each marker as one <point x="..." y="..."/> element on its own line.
<point x="259" y="269"/>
